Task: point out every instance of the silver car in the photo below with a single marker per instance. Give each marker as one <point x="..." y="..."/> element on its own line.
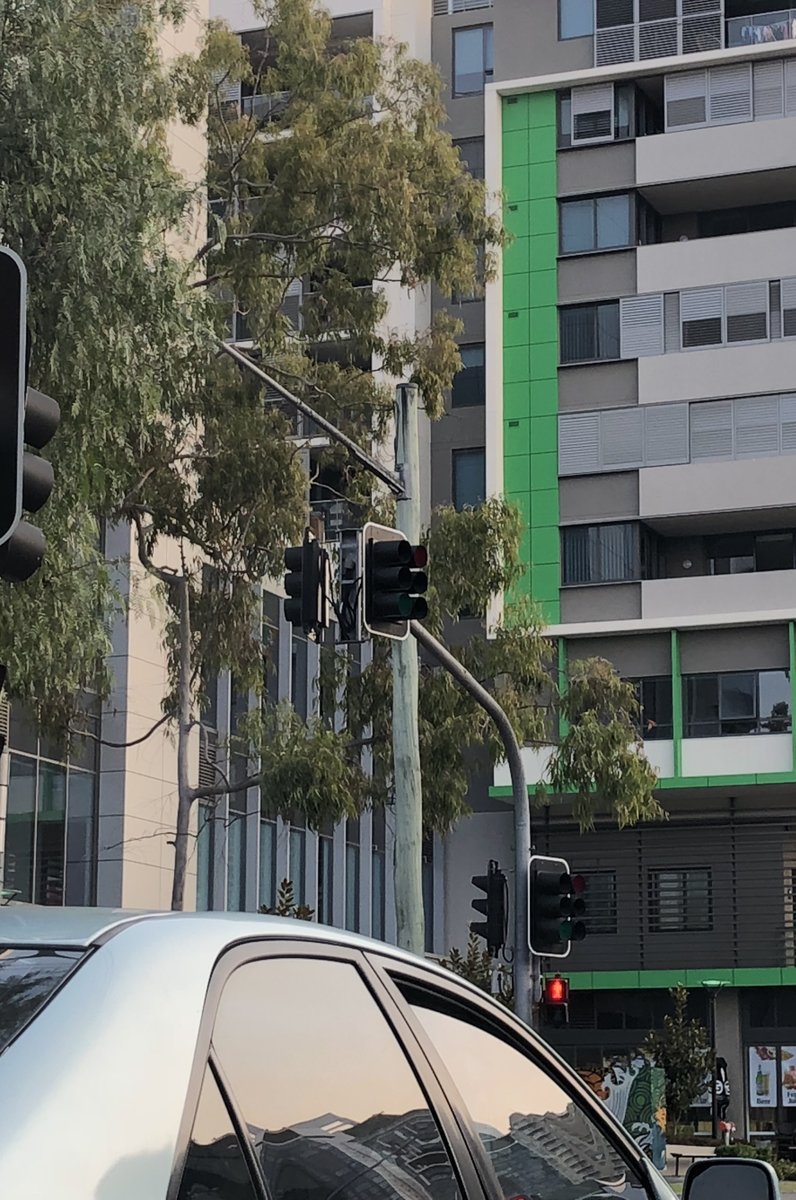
<point x="183" y="1057"/>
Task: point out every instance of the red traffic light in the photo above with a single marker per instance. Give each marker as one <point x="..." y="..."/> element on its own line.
<point x="578" y="883"/>
<point x="556" y="990"/>
<point x="419" y="556"/>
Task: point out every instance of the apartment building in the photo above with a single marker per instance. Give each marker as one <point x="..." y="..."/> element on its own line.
<point x="639" y="364"/>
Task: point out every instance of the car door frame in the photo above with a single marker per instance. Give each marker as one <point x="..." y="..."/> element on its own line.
<point x="502" y="1023"/>
<point x="393" y="1008"/>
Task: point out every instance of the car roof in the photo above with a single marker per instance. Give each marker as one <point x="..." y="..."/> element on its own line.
<point x="35" y="925"/>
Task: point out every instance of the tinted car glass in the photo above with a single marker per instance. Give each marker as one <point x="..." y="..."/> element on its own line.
<point x="331" y="1103"/>
<point x="214" y="1165"/>
<point x="540" y="1142"/>
<point x="28" y="979"/>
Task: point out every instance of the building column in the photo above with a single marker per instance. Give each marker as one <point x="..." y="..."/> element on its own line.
<point x="729" y="1045"/>
<point x="677" y="706"/>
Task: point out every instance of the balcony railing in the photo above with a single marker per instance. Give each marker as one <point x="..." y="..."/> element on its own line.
<point x="265" y="107"/>
<point x="762" y="29"/>
<point x="443" y="8"/>
<point x="658" y="39"/>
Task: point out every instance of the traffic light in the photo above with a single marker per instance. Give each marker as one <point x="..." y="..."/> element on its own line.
<point x="308" y="586"/>
<point x="22" y="553"/>
<point x="393" y="582"/>
<point x="555" y="1001"/>
<point x="555" y="904"/>
<point x="13" y="369"/>
<point x="494" y="906"/>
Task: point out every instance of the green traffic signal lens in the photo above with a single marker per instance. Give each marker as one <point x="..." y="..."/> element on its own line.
<point x="405" y="605"/>
<point x="565" y="931"/>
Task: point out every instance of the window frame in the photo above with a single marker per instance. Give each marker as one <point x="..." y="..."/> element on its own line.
<point x="571" y="37"/>
<point x="455" y="1141"/>
<point x="633" y="213"/>
<point x="457" y="452"/>
<point x="487" y="72"/>
<point x="717" y="725"/>
<point x="654" y="903"/>
<point x="638" y="535"/>
<point x="461" y="374"/>
<point x="459" y="143"/>
<point x="460" y="998"/>
<point x="595" y="305"/>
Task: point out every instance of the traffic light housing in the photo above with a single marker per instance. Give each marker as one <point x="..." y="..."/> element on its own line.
<point x="555" y="907"/>
<point x="555" y="1001"/>
<point x="494" y="906"/>
<point x="393" y="582"/>
<point x="21" y="554"/>
<point x="308" y="586"/>
<point x="13" y="371"/>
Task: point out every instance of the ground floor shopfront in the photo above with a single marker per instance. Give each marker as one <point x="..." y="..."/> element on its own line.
<point x="755" y="1034"/>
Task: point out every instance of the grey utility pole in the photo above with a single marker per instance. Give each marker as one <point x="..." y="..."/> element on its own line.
<point x="527" y="975"/>
<point x="407" y="784"/>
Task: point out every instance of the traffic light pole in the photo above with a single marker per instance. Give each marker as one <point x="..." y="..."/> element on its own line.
<point x="527" y="974"/>
<point x="407" y="783"/>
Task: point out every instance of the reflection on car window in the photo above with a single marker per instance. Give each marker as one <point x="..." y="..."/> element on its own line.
<point x="215" y="1166"/>
<point x="27" y="980"/>
<point x="334" y="1109"/>
<point x="540" y="1143"/>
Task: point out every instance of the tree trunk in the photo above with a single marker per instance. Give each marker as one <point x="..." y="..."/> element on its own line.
<point x="184" y="725"/>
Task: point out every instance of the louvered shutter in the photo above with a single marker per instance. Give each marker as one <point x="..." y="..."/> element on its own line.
<point x="746" y="305"/>
<point x="768" y="92"/>
<point x="228" y="91"/>
<point x="702" y="33"/>
<point x="774" y="310"/>
<point x="622" y="437"/>
<point x="787" y="416"/>
<point x="292" y="304"/>
<point x="615" y="45"/>
<point x="686" y="100"/>
<point x="756" y="420"/>
<point x="579" y="443"/>
<point x="593" y="114"/>
<point x="665" y="434"/>
<point x="790" y="87"/>
<point x="788" y="296"/>
<point x="730" y="94"/>
<point x="657" y="39"/>
<point x="711" y="430"/>
<point x="701" y="317"/>
<point x="641" y="326"/>
<point x="671" y="323"/>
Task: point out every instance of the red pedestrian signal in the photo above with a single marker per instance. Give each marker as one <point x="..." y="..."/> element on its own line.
<point x="555" y="1001"/>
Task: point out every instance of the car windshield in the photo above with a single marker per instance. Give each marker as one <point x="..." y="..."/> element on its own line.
<point x="28" y="978"/>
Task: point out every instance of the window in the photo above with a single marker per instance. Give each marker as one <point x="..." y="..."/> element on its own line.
<point x="472" y="59"/>
<point x="613" y="553"/>
<point x="575" y="19"/>
<point x="714" y="316"/>
<point x="205" y="853"/>
<point x="600" y="898"/>
<point x="299" y="666"/>
<point x="537" y="1138"/>
<point x="756" y="218"/>
<point x="596" y="223"/>
<point x="215" y="1164"/>
<point x="680" y="901"/>
<point x="352" y="875"/>
<point x="622" y="438"/>
<point x="27" y="980"/>
<point x="472" y="153"/>
<point x="378" y="884"/>
<point x="324" y="909"/>
<point x="736" y="703"/>
<point x="469" y="478"/>
<point x="741" y="553"/>
<point x="655" y="698"/>
<point x="50" y="852"/>
<point x="345" y="1116"/>
<point x="590" y="332"/>
<point x="469" y="384"/>
<point x="603" y="115"/>
<point x="267" y="882"/>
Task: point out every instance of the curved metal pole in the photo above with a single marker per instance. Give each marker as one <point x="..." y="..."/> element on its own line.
<point x="526" y="965"/>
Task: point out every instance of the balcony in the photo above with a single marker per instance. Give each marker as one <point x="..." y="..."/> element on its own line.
<point x="444" y="8"/>
<point x="761" y="29"/>
<point x="666" y="38"/>
<point x="708" y="262"/>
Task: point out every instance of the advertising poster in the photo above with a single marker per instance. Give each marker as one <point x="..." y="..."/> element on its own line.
<point x="763" y="1077"/>
<point x="787" y="1075"/>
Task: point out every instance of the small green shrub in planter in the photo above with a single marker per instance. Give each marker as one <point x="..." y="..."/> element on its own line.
<point x="745" y="1150"/>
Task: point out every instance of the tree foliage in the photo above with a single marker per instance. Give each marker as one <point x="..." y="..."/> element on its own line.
<point x="476" y="967"/>
<point x="682" y="1049"/>
<point x="160" y="431"/>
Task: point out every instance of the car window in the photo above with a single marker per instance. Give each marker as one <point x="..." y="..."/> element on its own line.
<point x="334" y="1109"/>
<point x="215" y="1165"/>
<point x="540" y="1143"/>
<point x="28" y="979"/>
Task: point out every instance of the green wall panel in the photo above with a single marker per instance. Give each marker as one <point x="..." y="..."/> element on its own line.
<point x="530" y="333"/>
